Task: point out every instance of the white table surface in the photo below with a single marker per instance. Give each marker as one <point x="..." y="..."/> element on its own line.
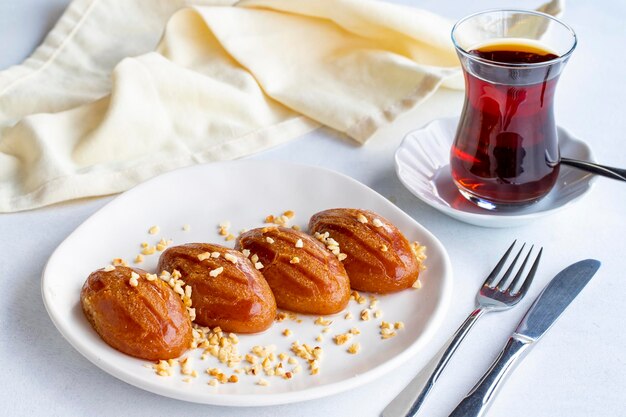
<point x="577" y="370"/>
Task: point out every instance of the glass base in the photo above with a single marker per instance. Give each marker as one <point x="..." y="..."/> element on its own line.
<point x="495" y="205"/>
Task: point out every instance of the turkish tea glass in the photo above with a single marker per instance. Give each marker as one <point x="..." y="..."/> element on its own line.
<point x="505" y="152"/>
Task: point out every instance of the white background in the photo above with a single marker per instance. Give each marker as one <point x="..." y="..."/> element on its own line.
<point x="577" y="370"/>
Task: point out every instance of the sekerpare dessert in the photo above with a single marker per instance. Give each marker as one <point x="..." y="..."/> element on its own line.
<point x="136" y="313"/>
<point x="378" y="258"/>
<point x="303" y="275"/>
<point x="227" y="290"/>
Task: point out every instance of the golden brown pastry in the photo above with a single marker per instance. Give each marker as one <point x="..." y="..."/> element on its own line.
<point x="227" y="291"/>
<point x="379" y="258"/>
<point x="303" y="275"/>
<point x="141" y="318"/>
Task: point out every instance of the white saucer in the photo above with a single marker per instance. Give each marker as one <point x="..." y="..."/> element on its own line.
<point x="422" y="165"/>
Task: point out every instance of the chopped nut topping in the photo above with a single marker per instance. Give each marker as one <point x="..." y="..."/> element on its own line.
<point x="299" y="243"/>
<point x="231" y="258"/>
<point x="109" y="268"/>
<point x="286" y="332"/>
<point x="225" y="224"/>
<point x="321" y="321"/>
<point x="348" y="315"/>
<point x="354" y="348"/>
<point x="134" y="277"/>
<point x="144" y="244"/>
<point x="340" y="339"/>
<point x="215" y="272"/>
<point x="296" y="227"/>
<point x="341" y="256"/>
<point x="151" y="277"/>
<point x="361" y="218"/>
<point x="365" y="315"/>
<point x="399" y="325"/>
<point x="269" y="240"/>
<point x="384" y="248"/>
<point x="203" y="256"/>
<point x="215" y="255"/>
<point x="138" y="259"/>
<point x="294" y="260"/>
<point x="246" y="253"/>
<point x="377" y="222"/>
<point x="289" y="214"/>
<point x="148" y="250"/>
<point x="162" y="244"/>
<point x="417" y="284"/>
<point x="255" y="258"/>
<point x="420" y="254"/>
<point x="354" y="330"/>
<point x="153" y="230"/>
<point x="258" y="265"/>
<point x="119" y="262"/>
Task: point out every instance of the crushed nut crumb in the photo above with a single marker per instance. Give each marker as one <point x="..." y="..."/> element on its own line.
<point x="204" y="256"/>
<point x="294" y="260"/>
<point x="377" y="223"/>
<point x="153" y="230"/>
<point x="148" y="250"/>
<point x="299" y="243"/>
<point x="365" y="315"/>
<point x="109" y="268"/>
<point x="354" y="348"/>
<point x="231" y="258"/>
<point x="361" y="218"/>
<point x="321" y="321"/>
<point x="134" y="279"/>
<point x="215" y="272"/>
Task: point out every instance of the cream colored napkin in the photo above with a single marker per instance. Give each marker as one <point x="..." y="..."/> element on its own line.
<point x="94" y="112"/>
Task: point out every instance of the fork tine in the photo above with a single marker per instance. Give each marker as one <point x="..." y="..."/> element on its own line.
<point x="489" y="281"/>
<point x="508" y="272"/>
<point x="518" y="276"/>
<point x="529" y="278"/>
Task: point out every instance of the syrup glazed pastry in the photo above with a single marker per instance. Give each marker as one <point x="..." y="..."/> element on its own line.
<point x="227" y="291"/>
<point x="378" y="258"/>
<point x="136" y="313"/>
<point x="303" y="275"/>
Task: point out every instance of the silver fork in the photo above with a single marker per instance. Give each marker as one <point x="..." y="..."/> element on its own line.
<point x="494" y="295"/>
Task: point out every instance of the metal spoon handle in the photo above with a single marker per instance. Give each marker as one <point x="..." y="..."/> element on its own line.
<point x="610" y="172"/>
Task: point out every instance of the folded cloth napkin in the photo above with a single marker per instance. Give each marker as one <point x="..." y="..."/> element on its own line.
<point x="111" y="98"/>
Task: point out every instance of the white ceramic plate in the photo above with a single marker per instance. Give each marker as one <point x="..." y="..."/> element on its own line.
<point x="422" y="165"/>
<point x="244" y="192"/>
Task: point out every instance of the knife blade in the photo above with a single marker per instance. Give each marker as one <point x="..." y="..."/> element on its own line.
<point x="546" y="309"/>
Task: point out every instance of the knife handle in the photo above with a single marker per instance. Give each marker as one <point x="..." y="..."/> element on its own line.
<point x="476" y="403"/>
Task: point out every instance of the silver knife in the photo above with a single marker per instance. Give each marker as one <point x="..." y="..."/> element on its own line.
<point x="546" y="309"/>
